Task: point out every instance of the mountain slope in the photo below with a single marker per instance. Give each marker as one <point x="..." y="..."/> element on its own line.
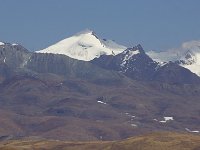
<point x="174" y="74"/>
<point x="15" y="58"/>
<point x="71" y="68"/>
<point x="84" y="46"/>
<point x="133" y="62"/>
<point x="57" y="97"/>
<point x="154" y="141"/>
<point x="136" y="64"/>
<point x="13" y="55"/>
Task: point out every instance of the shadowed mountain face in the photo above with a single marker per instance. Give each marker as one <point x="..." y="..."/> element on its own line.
<point x="57" y="97"/>
<point x="173" y="73"/>
<point x="68" y="67"/>
<point x="133" y="62"/>
<point x="15" y="56"/>
<point x="19" y="59"/>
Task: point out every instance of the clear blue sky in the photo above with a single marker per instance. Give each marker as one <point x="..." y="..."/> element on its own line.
<point x="156" y="24"/>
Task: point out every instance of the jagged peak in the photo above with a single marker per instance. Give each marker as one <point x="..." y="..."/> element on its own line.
<point x="139" y="48"/>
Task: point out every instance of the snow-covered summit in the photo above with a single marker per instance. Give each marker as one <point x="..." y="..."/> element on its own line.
<point x="85" y="45"/>
<point x="188" y="56"/>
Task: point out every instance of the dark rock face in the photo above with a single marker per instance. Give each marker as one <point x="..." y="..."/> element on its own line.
<point x="5" y="72"/>
<point x="70" y="68"/>
<point x="133" y="62"/>
<point x="175" y="74"/>
<point x="15" y="56"/>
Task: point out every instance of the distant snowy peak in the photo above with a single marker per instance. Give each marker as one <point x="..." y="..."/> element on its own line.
<point x="1" y="43"/>
<point x="85" y="45"/>
<point x="187" y="56"/>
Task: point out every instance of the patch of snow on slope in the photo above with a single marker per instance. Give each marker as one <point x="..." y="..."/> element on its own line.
<point x="166" y="119"/>
<point x="155" y="119"/>
<point x="131" y="54"/>
<point x="84" y="46"/>
<point x="133" y="125"/>
<point x="128" y="56"/>
<point x="102" y="102"/>
<point x="195" y="131"/>
<point x="4" y="60"/>
<point x="14" y="44"/>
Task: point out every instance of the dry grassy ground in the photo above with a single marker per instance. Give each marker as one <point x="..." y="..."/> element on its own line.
<point x="154" y="141"/>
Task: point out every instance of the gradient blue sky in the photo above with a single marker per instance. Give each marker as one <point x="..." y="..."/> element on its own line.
<point x="156" y="24"/>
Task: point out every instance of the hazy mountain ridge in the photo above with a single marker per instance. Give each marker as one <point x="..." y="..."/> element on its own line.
<point x="187" y="56"/>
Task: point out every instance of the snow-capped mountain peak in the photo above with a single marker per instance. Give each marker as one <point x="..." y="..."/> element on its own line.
<point x="128" y="55"/>
<point x="187" y="56"/>
<point x="85" y="45"/>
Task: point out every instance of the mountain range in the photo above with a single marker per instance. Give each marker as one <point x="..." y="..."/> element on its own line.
<point x="85" y="88"/>
<point x="86" y="46"/>
<point x="187" y="56"/>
